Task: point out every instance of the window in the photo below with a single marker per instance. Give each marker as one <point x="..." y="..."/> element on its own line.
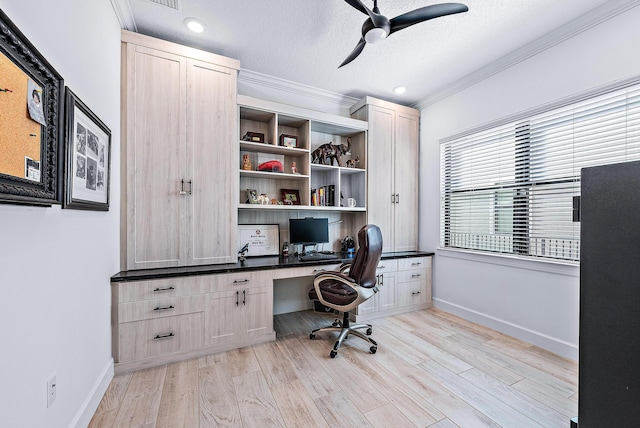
<point x="511" y="188"/>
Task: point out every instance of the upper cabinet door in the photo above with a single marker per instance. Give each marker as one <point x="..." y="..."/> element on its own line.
<point x="380" y="168"/>
<point x="406" y="183"/>
<point x="211" y="163"/>
<point x="154" y="123"/>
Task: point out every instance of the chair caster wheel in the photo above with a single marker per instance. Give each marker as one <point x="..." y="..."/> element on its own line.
<point x="373" y="349"/>
<point x="312" y="336"/>
<point x="333" y="354"/>
<point x="369" y="331"/>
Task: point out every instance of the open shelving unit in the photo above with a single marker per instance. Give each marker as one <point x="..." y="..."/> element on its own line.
<point x="311" y="129"/>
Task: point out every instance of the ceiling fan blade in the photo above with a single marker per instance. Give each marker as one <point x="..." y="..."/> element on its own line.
<point x="358" y="5"/>
<point x="422" y="14"/>
<point x="377" y="19"/>
<point x="354" y="53"/>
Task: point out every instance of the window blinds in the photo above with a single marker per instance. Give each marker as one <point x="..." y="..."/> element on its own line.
<point x="512" y="188"/>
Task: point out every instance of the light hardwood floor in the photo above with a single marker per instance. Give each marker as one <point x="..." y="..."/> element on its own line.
<point x="432" y="369"/>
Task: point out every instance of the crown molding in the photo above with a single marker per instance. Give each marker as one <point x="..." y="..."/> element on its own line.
<point x="589" y="20"/>
<point x="122" y="9"/>
<point x="263" y="80"/>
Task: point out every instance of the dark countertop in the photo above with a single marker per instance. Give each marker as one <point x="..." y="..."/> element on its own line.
<point x="251" y="264"/>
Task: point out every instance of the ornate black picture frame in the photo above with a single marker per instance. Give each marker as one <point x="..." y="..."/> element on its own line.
<point x="42" y="184"/>
<point x="87" y="157"/>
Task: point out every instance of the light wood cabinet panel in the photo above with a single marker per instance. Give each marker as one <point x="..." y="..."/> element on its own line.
<point x="405" y="213"/>
<point x="211" y="157"/>
<point x="155" y="137"/>
<point x="179" y="125"/>
<point x="160" y="289"/>
<point x="392" y="179"/>
<point x="387" y="291"/>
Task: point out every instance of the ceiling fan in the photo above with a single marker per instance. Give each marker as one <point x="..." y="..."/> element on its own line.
<point x="378" y="27"/>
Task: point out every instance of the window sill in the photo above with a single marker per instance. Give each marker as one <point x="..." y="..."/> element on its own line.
<point x="542" y="265"/>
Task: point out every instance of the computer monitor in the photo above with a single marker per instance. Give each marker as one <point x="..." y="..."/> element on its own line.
<point x="308" y="231"/>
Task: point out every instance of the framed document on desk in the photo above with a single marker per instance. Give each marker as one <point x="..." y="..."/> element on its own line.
<point x="263" y="239"/>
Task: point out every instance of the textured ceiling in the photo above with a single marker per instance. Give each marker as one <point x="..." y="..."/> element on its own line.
<point x="304" y="41"/>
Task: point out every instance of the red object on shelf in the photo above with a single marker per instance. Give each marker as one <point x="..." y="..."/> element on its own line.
<point x="271" y="166"/>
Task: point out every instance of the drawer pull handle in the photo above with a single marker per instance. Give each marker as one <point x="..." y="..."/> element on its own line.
<point x="237" y="294"/>
<point x="416" y="275"/>
<point x="244" y="297"/>
<point x="157" y="290"/>
<point x="163" y="336"/>
<point x="416" y="264"/>
<point x="415" y="292"/>
<point x="381" y="267"/>
<point x="164" y="308"/>
<point x="319" y="270"/>
<point x="240" y="281"/>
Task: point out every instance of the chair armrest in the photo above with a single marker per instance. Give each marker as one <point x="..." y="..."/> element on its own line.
<point x="344" y="267"/>
<point x="363" y="293"/>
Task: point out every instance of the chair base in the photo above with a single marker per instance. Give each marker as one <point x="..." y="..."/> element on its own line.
<point x="345" y="329"/>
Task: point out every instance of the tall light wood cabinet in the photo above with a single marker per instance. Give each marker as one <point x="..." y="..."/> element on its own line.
<point x="392" y="178"/>
<point x="179" y="126"/>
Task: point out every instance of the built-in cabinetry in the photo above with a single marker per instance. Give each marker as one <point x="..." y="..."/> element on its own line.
<point x="404" y="285"/>
<point x="179" y="125"/>
<point x="392" y="192"/>
<point x="310" y="130"/>
<point x="162" y="320"/>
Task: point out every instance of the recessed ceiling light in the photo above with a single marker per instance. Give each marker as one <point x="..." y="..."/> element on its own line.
<point x="194" y="25"/>
<point x="400" y="89"/>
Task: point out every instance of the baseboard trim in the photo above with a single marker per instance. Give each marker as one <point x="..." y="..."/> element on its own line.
<point x="91" y="403"/>
<point x="552" y="344"/>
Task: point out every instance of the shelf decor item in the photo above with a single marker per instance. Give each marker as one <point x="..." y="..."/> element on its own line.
<point x="254" y="137"/>
<point x="290" y="196"/>
<point x="271" y="166"/>
<point x="88" y="158"/>
<point x="252" y="196"/>
<point x="288" y="140"/>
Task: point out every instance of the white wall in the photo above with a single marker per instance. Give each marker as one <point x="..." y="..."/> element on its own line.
<point x="55" y="264"/>
<point x="537" y="306"/>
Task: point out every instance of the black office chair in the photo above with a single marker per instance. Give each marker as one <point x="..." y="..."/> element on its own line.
<point x="344" y="291"/>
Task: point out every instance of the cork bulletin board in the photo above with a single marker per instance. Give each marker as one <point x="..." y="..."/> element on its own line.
<point x="20" y="135"/>
<point x="31" y="122"/>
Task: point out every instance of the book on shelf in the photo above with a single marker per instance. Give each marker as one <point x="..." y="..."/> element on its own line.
<point x="324" y="196"/>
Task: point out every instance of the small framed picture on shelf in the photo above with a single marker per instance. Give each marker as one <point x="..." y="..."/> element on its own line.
<point x="252" y="196"/>
<point x="288" y="140"/>
<point x="290" y="196"/>
<point x="254" y="137"/>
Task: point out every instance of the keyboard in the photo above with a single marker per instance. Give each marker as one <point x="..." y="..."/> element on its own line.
<point x="317" y="256"/>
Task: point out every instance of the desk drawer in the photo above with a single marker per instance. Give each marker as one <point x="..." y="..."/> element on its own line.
<point x="412" y="275"/>
<point x="151" y="338"/>
<point x="385" y="266"/>
<point x="240" y="280"/>
<point x="158" y="288"/>
<point x="158" y="308"/>
<point x="414" y="263"/>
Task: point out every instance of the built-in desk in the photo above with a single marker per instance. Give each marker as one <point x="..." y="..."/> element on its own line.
<point x="168" y="314"/>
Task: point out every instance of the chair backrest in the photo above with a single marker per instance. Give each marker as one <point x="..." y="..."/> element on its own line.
<point x="363" y="268"/>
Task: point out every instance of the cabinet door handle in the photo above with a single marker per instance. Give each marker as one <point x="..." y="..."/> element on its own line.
<point x="397" y="198"/>
<point x="244" y="297"/>
<point x="416" y="292"/>
<point x="240" y="281"/>
<point x="393" y="198"/>
<point x="381" y="267"/>
<point x="416" y="275"/>
<point x="158" y="290"/>
<point x="182" y="192"/>
<point x="190" y="187"/>
<point x="237" y="296"/>
<point x="163" y="336"/>
<point x="416" y="263"/>
<point x="164" y="308"/>
<point x="381" y="280"/>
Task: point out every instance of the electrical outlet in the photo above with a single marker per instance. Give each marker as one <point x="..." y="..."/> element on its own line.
<point x="52" y="390"/>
